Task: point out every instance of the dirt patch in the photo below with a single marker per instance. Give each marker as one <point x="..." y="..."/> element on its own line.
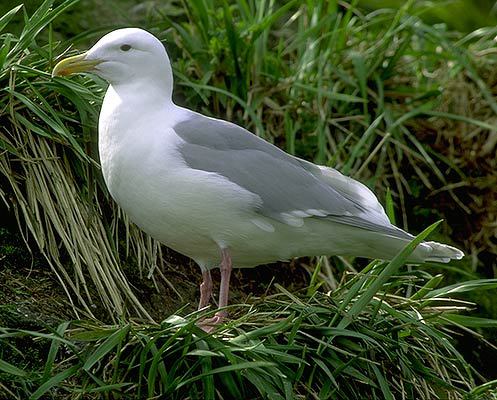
<point x="30" y="295"/>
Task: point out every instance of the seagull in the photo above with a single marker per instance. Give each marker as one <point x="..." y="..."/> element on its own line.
<point x="212" y="190"/>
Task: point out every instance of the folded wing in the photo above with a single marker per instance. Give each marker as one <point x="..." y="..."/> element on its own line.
<point x="290" y="188"/>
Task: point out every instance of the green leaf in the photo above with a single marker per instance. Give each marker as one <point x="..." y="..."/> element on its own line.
<point x="391" y="268"/>
<point x="462" y="287"/>
<point x="203" y="353"/>
<point x="228" y="368"/>
<point x="332" y="95"/>
<point x="11" y="369"/>
<point x="107" y="346"/>
<point x="360" y="147"/>
<point x="385" y="390"/>
<point x="428" y="287"/>
<point x="7" y="17"/>
<point x="470" y="321"/>
<point x="4" y="51"/>
<point x="389" y="206"/>
<point x="54" y="348"/>
<point x="485" y="388"/>
<point x="55" y="381"/>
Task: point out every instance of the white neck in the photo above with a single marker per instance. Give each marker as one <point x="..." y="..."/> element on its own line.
<point x="142" y="92"/>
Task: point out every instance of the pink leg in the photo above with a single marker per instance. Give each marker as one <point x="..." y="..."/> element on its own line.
<point x="225" y="267"/>
<point x="205" y="290"/>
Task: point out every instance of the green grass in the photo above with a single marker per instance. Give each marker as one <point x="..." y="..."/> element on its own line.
<point x="365" y="339"/>
<point x="326" y="81"/>
<point x="460" y="15"/>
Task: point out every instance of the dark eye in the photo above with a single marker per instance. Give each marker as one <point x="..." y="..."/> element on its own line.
<point x="125" y="47"/>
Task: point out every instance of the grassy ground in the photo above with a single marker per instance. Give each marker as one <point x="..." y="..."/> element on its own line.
<point x="383" y="96"/>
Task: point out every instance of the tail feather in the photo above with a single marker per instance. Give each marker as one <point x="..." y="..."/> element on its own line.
<point x="385" y="241"/>
<point x="438" y="252"/>
<point x="389" y="240"/>
<point x="427" y="251"/>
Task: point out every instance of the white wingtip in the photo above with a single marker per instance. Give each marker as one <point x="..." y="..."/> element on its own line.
<point x="442" y="253"/>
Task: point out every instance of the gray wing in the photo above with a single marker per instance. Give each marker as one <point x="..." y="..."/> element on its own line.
<point x="290" y="188"/>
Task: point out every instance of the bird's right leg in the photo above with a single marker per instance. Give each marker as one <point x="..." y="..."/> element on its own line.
<point x="225" y="267"/>
<point x="205" y="290"/>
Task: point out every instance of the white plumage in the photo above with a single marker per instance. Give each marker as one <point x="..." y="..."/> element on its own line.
<point x="212" y="190"/>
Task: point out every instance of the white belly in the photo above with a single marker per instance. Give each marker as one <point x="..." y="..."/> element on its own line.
<point x="194" y="212"/>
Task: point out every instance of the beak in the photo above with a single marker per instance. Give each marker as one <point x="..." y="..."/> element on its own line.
<point x="74" y="64"/>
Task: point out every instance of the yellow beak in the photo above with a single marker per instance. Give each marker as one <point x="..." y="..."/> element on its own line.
<point x="73" y="65"/>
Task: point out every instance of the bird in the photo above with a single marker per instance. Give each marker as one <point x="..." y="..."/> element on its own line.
<point x="214" y="191"/>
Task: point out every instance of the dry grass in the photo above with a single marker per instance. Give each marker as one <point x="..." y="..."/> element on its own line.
<point x="49" y="202"/>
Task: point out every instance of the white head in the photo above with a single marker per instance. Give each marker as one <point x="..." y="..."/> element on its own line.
<point x="124" y="57"/>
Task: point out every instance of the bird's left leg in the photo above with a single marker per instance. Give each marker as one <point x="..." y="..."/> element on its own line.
<point x="226" y="268"/>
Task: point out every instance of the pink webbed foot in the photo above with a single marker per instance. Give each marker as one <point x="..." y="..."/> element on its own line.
<point x="208" y="324"/>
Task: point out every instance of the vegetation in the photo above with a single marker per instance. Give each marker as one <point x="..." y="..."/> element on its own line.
<point x="461" y="15"/>
<point x="404" y="106"/>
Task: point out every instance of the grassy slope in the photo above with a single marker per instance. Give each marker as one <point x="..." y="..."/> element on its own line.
<point x="313" y="85"/>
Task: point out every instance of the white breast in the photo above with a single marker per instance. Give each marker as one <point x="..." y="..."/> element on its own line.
<point x="191" y="211"/>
